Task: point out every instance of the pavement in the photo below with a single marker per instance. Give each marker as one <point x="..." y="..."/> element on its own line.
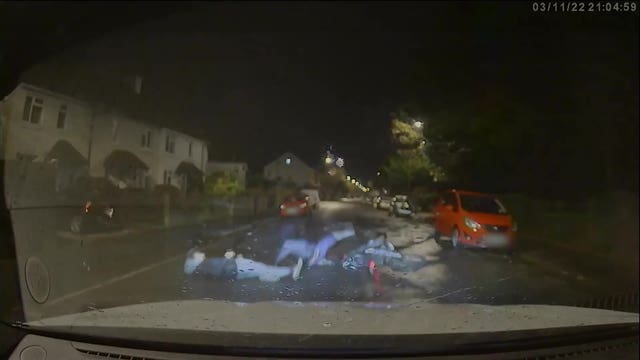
<point x="147" y="267"/>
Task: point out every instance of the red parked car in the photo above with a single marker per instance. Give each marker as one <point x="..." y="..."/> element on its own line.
<point x="295" y="206"/>
<point x="474" y="219"/>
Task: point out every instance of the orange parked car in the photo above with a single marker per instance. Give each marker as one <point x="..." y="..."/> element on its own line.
<point x="474" y="219"/>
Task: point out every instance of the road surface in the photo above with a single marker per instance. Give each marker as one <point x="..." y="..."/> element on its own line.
<point x="450" y="276"/>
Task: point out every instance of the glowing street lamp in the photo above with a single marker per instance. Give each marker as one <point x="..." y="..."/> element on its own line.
<point x="353" y="181"/>
<point x="348" y="177"/>
<point x="418" y="124"/>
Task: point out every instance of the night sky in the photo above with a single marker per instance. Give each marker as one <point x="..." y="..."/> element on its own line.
<point x="257" y="80"/>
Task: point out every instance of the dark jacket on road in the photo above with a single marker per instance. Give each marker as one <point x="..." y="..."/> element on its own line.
<point x="218" y="267"/>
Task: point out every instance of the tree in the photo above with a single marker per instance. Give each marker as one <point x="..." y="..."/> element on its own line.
<point x="402" y="171"/>
<point x="222" y="184"/>
<point x="332" y="186"/>
<point x="259" y="182"/>
<point x="410" y="161"/>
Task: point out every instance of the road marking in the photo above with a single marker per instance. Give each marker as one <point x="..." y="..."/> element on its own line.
<point x="135" y="272"/>
<point x="115" y="279"/>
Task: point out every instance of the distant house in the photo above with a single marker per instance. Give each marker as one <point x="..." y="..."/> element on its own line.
<point x="288" y="168"/>
<point x="236" y="169"/>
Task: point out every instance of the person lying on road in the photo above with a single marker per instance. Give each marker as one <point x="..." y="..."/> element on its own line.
<point x="379" y="252"/>
<point x="236" y="267"/>
<point x="315" y="253"/>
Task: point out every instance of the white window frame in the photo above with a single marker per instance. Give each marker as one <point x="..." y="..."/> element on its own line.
<point x="167" y="177"/>
<point x="146" y="143"/>
<point x="63" y="110"/>
<point x="114" y="131"/>
<point x="27" y="113"/>
<point x="170" y="144"/>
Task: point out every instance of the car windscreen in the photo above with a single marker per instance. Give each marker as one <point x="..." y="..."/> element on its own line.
<point x="482" y="204"/>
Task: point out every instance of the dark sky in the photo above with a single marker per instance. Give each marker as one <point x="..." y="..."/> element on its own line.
<point x="257" y="80"/>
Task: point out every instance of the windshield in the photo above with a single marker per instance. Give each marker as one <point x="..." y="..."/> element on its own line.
<point x="482" y="204"/>
<point x="294" y="160"/>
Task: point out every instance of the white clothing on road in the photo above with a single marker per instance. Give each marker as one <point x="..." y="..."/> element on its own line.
<point x="250" y="269"/>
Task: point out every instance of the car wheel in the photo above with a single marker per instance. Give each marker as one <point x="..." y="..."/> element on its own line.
<point x="437" y="237"/>
<point x="455" y="239"/>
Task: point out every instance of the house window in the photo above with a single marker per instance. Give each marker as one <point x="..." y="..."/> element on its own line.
<point x="139" y="177"/>
<point x="62" y="117"/>
<point x="25" y="157"/>
<point x="190" y="147"/>
<point x="114" y="131"/>
<point x="169" y="145"/>
<point x="32" y="111"/>
<point x="146" y="140"/>
<point x="167" y="177"/>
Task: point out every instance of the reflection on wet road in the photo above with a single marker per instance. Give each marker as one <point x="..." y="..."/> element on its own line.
<point x="449" y="276"/>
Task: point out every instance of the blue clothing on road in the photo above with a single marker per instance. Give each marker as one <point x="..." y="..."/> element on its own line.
<point x="321" y="249"/>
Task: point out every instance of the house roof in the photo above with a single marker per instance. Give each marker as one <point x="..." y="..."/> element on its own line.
<point x="109" y="110"/>
<point x="63" y="152"/>
<point x="225" y="163"/>
<point x="188" y="169"/>
<point x="294" y="159"/>
<point x="35" y="88"/>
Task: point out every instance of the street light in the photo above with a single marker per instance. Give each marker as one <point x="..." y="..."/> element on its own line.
<point x="348" y="177"/>
<point x="378" y="173"/>
<point x="328" y="160"/>
<point x="418" y="124"/>
<point x="353" y="181"/>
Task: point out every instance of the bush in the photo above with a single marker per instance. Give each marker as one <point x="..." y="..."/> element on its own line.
<point x="599" y="224"/>
<point x="222" y="184"/>
<point x="423" y="198"/>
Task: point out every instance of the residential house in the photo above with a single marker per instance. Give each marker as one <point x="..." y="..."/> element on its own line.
<point x="182" y="160"/>
<point x="41" y="125"/>
<point x="236" y="169"/>
<point x="288" y="168"/>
